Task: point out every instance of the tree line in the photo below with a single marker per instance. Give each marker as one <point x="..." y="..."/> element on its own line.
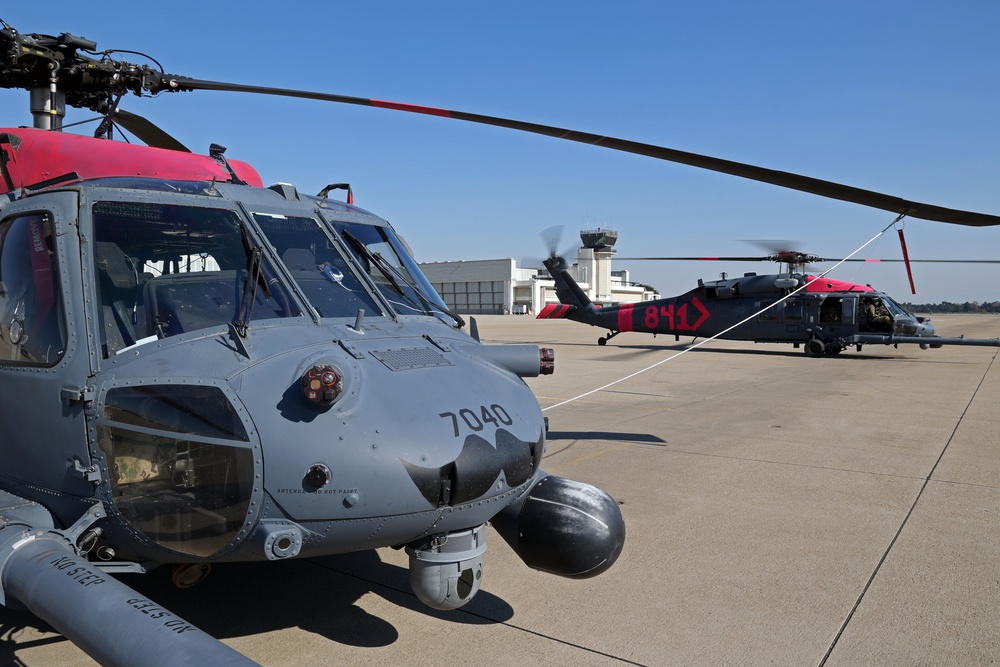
<point x="949" y="307"/>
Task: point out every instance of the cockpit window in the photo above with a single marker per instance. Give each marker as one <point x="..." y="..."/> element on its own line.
<point x="874" y="315"/>
<point x="894" y="307"/>
<point x="165" y="269"/>
<point x="389" y="264"/>
<point x="180" y="466"/>
<point x="32" y="326"/>
<point x="321" y="272"/>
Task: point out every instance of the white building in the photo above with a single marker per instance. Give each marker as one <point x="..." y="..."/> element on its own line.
<point x="499" y="286"/>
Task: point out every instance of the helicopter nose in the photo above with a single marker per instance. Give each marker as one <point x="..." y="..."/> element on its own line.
<point x="473" y="472"/>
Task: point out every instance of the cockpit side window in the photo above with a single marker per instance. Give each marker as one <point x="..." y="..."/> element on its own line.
<point x="32" y="328"/>
<point x="873" y="316"/>
<point x="165" y="269"/>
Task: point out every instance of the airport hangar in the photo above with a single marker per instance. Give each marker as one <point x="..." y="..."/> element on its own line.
<point x="500" y="287"/>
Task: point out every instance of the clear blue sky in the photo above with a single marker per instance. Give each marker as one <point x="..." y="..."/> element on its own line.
<point x="897" y="97"/>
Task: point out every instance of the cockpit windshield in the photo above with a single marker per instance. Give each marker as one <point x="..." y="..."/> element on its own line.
<point x="894" y="307"/>
<point x="321" y="272"/>
<point x="165" y="269"/>
<point x="388" y="263"/>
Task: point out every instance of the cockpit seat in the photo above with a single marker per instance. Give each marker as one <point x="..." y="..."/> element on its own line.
<point x="300" y="261"/>
<point x="118" y="280"/>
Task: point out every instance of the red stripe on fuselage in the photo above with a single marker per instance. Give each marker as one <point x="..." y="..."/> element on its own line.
<point x="625" y="317"/>
<point x="413" y="108"/>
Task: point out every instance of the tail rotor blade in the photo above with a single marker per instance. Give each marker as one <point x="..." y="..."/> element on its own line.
<point x="552" y="238"/>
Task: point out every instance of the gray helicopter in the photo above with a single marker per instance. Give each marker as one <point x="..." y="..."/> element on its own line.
<point x="198" y="369"/>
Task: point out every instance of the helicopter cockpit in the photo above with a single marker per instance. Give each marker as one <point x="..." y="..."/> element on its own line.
<point x="164" y="269"/>
<point x="874" y="315"/>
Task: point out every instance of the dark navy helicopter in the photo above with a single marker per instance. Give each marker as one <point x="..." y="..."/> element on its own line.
<point x="822" y="315"/>
<point x="199" y="369"/>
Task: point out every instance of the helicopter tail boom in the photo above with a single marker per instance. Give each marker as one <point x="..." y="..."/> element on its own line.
<point x="568" y="292"/>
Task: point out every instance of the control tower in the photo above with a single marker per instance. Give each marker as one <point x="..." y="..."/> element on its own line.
<point x="595" y="259"/>
<point x="601" y="239"/>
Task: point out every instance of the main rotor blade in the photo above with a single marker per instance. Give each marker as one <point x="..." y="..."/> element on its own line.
<point x="811" y="260"/>
<point x="149" y="133"/>
<point x="924" y="261"/>
<point x="781" y="178"/>
<point x="693" y="259"/>
<point x="776" y="247"/>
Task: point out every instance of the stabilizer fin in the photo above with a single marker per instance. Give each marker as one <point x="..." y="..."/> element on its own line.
<point x="554" y="311"/>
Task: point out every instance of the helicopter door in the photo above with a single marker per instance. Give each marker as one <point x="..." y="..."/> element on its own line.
<point x="767" y="324"/>
<point x="793" y="315"/>
<point x="43" y="370"/>
<point x="849" y="311"/>
<point x="831" y="311"/>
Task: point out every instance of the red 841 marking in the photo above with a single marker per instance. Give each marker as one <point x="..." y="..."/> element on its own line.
<point x="677" y="320"/>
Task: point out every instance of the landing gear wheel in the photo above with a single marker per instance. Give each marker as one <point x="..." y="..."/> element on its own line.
<point x="604" y="340"/>
<point x="835" y="349"/>
<point x="815" y="347"/>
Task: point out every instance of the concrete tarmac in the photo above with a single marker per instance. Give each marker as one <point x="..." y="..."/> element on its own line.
<point x="781" y="510"/>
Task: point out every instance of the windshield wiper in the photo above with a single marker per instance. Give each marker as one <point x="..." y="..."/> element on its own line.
<point x="254" y="279"/>
<point x="375" y="258"/>
<point x="392" y="274"/>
